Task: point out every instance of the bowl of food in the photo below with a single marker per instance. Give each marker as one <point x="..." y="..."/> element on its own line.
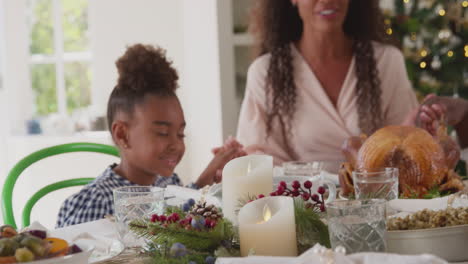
<point x="443" y="233"/>
<point x="33" y="246"/>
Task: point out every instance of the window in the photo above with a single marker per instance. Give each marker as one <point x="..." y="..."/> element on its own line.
<point x="60" y="55"/>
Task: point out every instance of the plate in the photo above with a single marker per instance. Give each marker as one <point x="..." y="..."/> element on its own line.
<point x="448" y="243"/>
<point x="77" y="258"/>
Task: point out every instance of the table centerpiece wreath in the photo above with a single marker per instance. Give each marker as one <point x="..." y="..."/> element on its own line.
<point x="196" y="232"/>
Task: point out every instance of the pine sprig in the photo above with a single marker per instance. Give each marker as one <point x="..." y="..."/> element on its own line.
<point x="204" y="241"/>
<point x="309" y="227"/>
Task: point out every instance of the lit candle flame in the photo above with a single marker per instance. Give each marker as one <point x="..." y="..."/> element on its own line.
<point x="266" y="213"/>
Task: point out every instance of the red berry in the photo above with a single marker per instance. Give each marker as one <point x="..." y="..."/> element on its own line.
<point x="273" y="194"/>
<point x="280" y="190"/>
<point x="321" y="190"/>
<point x="212" y="224"/>
<point x="261" y="196"/>
<point x="283" y="184"/>
<point x="308" y="184"/>
<point x="322" y="208"/>
<point x="175" y="216"/>
<point x="305" y="196"/>
<point x="154" y="218"/>
<point x="295" y="193"/>
<point x="296" y="185"/>
<point x="162" y="218"/>
<point x="315" y="197"/>
<point x="208" y="222"/>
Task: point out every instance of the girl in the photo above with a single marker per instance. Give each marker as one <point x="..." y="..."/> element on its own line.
<point x="147" y="125"/>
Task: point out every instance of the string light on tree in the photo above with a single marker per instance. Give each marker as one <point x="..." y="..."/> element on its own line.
<point x="435" y="63"/>
<point x="423" y="53"/>
<point x="445" y="34"/>
<point x="433" y="36"/>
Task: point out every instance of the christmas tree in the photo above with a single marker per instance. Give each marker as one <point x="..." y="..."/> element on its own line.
<point x="433" y="35"/>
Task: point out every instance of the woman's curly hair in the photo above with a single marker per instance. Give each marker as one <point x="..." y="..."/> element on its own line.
<point x="276" y="24"/>
<point x="143" y="70"/>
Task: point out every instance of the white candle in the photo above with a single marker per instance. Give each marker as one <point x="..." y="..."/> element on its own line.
<point x="267" y="227"/>
<point x="243" y="177"/>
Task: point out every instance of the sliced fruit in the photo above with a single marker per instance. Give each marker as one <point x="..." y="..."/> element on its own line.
<point x="24" y="255"/>
<point x="58" y="247"/>
<point x="7" y="260"/>
<point x="38" y="233"/>
<point x="8" y="247"/>
<point x="36" y="245"/>
<point x="7" y="231"/>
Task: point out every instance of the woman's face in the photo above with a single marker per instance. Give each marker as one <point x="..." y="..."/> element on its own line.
<point x="323" y="15"/>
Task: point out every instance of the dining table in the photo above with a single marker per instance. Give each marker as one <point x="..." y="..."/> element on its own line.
<point x="107" y="228"/>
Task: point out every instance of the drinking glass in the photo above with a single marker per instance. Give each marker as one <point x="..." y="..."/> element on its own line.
<point x="135" y="202"/>
<point x="357" y="225"/>
<point x="300" y="168"/>
<point x="376" y="183"/>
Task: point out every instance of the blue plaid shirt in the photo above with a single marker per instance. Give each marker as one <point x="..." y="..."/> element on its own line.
<point x="96" y="200"/>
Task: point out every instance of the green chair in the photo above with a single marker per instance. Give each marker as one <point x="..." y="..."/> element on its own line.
<point x="7" y="192"/>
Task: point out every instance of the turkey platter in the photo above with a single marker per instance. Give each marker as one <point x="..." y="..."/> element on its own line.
<point x="424" y="162"/>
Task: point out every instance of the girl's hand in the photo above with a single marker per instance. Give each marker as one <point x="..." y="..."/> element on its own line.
<point x="213" y="173"/>
<point x="231" y="142"/>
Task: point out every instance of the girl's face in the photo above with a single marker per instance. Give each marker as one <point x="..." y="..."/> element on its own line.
<point x="323" y="15"/>
<point x="156" y="135"/>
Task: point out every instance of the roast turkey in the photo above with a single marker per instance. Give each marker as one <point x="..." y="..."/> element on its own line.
<point x="424" y="162"/>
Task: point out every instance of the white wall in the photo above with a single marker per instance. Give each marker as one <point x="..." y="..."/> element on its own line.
<point x="200" y="93"/>
<point x="17" y="80"/>
<point x="4" y="125"/>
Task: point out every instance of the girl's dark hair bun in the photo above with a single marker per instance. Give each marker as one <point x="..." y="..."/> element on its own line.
<point x="145" y="69"/>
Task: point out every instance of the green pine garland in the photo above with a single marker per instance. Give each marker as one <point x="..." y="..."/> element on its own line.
<point x="309" y="227"/>
<point x="202" y="241"/>
<point x="222" y="240"/>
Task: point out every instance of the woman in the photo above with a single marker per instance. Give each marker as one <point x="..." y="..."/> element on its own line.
<point x="323" y="74"/>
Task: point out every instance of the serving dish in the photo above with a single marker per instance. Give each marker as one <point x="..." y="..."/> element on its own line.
<point x="449" y="243"/>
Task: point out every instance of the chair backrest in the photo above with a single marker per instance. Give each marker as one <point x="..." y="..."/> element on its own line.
<point x="15" y="172"/>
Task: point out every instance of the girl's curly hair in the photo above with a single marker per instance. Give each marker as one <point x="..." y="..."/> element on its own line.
<point x="276" y="24"/>
<point x="143" y="70"/>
